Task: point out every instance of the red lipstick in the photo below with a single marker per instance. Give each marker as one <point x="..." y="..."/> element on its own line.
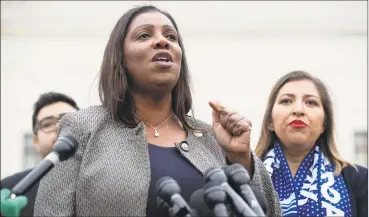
<point x="298" y="124"/>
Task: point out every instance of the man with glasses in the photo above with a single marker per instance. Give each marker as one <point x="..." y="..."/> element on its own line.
<point x="48" y="110"/>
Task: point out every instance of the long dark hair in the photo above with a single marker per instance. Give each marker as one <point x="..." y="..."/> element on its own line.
<point x="114" y="90"/>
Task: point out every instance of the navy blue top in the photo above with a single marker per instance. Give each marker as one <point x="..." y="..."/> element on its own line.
<point x="167" y="161"/>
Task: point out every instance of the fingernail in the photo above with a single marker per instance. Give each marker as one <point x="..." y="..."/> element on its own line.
<point x="220" y="107"/>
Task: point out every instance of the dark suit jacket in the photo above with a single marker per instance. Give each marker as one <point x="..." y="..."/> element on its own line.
<point x="357" y="185"/>
<point x="10" y="181"/>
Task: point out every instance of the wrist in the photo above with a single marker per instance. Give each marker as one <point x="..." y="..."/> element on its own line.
<point x="245" y="159"/>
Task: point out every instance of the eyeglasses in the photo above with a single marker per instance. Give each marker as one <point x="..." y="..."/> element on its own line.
<point x="48" y="124"/>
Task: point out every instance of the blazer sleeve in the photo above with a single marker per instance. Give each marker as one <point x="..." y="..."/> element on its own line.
<point x="56" y="194"/>
<point x="261" y="180"/>
<point x="361" y="192"/>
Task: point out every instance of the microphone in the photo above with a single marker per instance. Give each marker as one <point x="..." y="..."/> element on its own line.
<point x="161" y="203"/>
<point x="240" y="207"/>
<point x="169" y="191"/>
<point x="239" y="179"/>
<point x="63" y="148"/>
<point x="216" y="197"/>
<point x="197" y="201"/>
<point x="261" y="198"/>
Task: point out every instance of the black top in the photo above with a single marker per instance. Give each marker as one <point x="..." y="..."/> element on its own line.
<point x="11" y="181"/>
<point x="169" y="162"/>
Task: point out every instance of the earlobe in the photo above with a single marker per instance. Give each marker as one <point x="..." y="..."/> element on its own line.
<point x="35" y="142"/>
<point x="270" y="127"/>
<point x="323" y="127"/>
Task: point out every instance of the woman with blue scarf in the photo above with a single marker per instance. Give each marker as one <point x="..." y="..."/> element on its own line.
<point x="298" y="149"/>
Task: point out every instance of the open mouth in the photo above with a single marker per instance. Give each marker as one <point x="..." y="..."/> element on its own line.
<point x="162" y="57"/>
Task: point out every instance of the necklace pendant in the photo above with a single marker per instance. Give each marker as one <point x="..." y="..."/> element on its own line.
<point x="156" y="134"/>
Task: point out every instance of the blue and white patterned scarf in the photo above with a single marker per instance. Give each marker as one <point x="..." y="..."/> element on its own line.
<point x="314" y="191"/>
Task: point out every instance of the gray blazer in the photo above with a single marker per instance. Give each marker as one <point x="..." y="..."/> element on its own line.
<point x="109" y="175"/>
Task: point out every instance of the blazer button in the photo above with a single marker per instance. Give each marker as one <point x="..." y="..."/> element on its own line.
<point x="184" y="146"/>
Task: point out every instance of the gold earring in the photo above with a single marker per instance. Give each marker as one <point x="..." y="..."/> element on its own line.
<point x="270" y="127"/>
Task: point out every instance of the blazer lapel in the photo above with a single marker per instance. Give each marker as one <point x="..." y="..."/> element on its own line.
<point x="196" y="150"/>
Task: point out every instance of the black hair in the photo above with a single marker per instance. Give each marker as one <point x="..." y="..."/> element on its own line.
<point x="47" y="99"/>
